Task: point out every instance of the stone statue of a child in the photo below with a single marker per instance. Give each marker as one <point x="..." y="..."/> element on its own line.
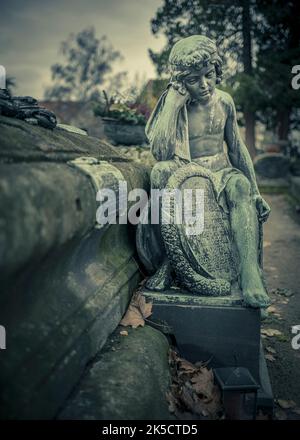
<point x="190" y="123"/>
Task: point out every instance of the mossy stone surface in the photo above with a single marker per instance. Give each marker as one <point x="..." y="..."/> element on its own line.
<point x="127" y="382"/>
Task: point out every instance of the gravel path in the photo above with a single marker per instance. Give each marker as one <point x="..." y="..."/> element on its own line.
<point x="282" y="271"/>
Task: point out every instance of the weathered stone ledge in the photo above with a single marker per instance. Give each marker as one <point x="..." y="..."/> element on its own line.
<point x="128" y="381"/>
<point x="44" y="205"/>
<point x="64" y="284"/>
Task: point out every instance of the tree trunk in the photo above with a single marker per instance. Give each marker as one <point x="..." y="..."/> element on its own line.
<point x="247" y="61"/>
<point x="283" y="121"/>
<point x="250" y="132"/>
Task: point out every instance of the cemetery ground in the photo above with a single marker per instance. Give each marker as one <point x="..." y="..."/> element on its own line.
<point x="281" y="267"/>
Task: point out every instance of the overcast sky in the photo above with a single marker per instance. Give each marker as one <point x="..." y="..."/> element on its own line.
<point x="31" y="32"/>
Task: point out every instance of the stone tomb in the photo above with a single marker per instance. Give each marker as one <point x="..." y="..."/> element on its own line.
<point x="220" y="330"/>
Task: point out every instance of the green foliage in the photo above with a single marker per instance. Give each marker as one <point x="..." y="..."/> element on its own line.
<point x="121" y="111"/>
<point x="278" y="51"/>
<point x="245" y="90"/>
<point x="87" y="66"/>
<point x="220" y="21"/>
<point x="275" y="32"/>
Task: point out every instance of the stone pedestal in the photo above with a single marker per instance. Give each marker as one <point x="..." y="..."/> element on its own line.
<point x="219" y="330"/>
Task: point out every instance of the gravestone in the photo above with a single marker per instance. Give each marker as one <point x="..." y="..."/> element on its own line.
<point x="272" y="165"/>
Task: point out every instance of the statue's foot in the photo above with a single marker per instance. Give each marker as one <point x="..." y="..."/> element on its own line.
<point x="161" y="280"/>
<point x="257" y="299"/>
<point x="254" y="292"/>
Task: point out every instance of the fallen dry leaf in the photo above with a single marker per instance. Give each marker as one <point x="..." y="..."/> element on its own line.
<point x="270" y="357"/>
<point x="283" y="292"/>
<point x="185" y="365"/>
<point x="270" y="332"/>
<point x="272" y="309"/>
<point x="266" y="244"/>
<point x="286" y="404"/>
<point x="203" y="383"/>
<point x="124" y="333"/>
<point x="137" y="312"/>
<point x="271" y="350"/>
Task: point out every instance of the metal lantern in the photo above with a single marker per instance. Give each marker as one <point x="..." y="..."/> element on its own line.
<point x="239" y="392"/>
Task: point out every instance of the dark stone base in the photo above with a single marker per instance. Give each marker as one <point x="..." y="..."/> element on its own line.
<point x="219" y="330"/>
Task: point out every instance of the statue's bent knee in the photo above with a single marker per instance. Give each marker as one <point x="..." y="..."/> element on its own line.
<point x="238" y="188"/>
<point x="161" y="172"/>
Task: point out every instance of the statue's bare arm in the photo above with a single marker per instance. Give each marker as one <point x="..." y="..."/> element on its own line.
<point x="237" y="150"/>
<point x="240" y="157"/>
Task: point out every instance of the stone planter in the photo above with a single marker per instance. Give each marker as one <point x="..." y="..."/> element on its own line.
<point x="121" y="133"/>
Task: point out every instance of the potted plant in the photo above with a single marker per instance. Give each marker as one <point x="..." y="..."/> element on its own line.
<point x="124" y="123"/>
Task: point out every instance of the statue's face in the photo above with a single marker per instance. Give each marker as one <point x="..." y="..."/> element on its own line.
<point x="201" y="83"/>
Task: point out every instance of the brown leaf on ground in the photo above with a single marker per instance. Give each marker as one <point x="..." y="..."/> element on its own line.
<point x="270" y="357"/>
<point x="283" y="292"/>
<point x="203" y="383"/>
<point x="124" y="333"/>
<point x="186" y="366"/>
<point x="137" y="312"/>
<point x="271" y="350"/>
<point x="186" y="396"/>
<point x="270" y="332"/>
<point x="286" y="404"/>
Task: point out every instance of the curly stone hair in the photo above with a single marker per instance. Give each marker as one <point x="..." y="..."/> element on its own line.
<point x="194" y="52"/>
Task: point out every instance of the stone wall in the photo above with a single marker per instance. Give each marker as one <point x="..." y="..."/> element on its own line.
<point x="65" y="284"/>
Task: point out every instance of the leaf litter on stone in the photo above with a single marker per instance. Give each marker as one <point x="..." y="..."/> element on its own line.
<point x="193" y="393"/>
<point x="137" y="312"/>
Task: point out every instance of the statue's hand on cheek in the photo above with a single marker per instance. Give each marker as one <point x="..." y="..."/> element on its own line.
<point x="177" y="94"/>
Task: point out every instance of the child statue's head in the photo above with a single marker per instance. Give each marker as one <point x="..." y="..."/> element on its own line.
<point x="195" y="62"/>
